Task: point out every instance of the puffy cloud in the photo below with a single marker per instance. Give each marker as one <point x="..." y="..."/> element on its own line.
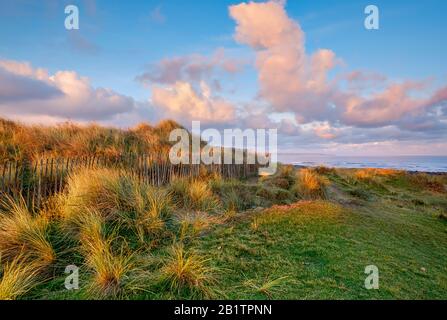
<point x="184" y="88"/>
<point x="16" y="87"/>
<point x="385" y="107"/>
<point x="289" y="79"/>
<point x="398" y="104"/>
<point x="293" y="81"/>
<point x="183" y="101"/>
<point x="29" y="91"/>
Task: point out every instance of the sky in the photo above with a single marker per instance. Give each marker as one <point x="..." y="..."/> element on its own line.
<point x="308" y="68"/>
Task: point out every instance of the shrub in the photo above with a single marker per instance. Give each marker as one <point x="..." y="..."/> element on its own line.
<point x="281" y="183"/>
<point x="428" y="182"/>
<point x="20" y="232"/>
<point x="310" y="185"/>
<point x="284" y="178"/>
<point x="324" y="170"/>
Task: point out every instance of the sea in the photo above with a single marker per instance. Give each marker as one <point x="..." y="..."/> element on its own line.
<point x="409" y="163"/>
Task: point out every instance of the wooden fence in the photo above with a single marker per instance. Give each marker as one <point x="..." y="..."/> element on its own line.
<point x="37" y="180"/>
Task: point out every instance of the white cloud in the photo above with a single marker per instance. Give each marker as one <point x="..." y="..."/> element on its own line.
<point x="65" y="94"/>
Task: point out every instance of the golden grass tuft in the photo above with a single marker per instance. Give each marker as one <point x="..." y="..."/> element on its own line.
<point x="194" y="195"/>
<point x="117" y="197"/>
<point x="201" y="196"/>
<point x="188" y="273"/>
<point x="112" y="268"/>
<point x="21" y="232"/>
<point x="151" y="207"/>
<point x="17" y="277"/>
<point x="310" y="185"/>
<point x="369" y="174"/>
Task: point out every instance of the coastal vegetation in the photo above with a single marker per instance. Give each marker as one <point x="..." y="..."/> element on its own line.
<point x="303" y="233"/>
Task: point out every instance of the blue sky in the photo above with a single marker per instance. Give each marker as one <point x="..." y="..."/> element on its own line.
<point x="125" y="38"/>
<point x="120" y="40"/>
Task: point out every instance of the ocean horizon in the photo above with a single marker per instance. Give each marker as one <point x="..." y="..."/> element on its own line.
<point x="409" y="163"/>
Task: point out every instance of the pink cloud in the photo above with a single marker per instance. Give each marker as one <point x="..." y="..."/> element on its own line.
<point x="293" y="81"/>
<point x="182" y="101"/>
<point x="289" y="78"/>
<point x="325" y="131"/>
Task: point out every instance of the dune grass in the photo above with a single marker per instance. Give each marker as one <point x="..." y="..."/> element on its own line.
<point x="21" y="232"/>
<point x="187" y="274"/>
<point x="300" y="234"/>
<point x="111" y="269"/>
<point x="194" y="195"/>
<point x="311" y="185"/>
<point x="119" y="198"/>
<point x="19" y="141"/>
<point x="17" y="277"/>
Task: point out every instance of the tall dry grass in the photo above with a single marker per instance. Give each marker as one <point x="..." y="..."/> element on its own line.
<point x="17" y="277"/>
<point x="311" y="185"/>
<point x="118" y="197"/>
<point x="186" y="273"/>
<point x="370" y="174"/>
<point x="112" y="267"/>
<point x="194" y="195"/>
<point x="18" y="141"/>
<point x="23" y="233"/>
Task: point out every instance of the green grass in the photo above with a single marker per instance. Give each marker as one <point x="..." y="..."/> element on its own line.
<point x="323" y="250"/>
